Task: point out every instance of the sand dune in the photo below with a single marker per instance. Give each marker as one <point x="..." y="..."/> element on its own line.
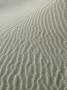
<point x="33" y="45"/>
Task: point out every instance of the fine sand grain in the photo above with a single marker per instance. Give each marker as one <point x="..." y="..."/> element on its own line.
<point x="33" y="45"/>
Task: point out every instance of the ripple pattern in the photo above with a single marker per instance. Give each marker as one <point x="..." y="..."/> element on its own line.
<point x="33" y="52"/>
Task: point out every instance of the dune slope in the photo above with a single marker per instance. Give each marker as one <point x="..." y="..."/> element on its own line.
<point x="33" y="45"/>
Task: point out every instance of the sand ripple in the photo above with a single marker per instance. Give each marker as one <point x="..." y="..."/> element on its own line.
<point x="33" y="52"/>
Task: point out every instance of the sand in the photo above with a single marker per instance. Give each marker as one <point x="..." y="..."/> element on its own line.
<point x="33" y="45"/>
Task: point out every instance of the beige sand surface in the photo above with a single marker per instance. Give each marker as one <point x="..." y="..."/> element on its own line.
<point x="33" y="44"/>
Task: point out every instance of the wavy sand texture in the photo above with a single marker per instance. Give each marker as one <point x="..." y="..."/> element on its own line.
<point x="33" y="46"/>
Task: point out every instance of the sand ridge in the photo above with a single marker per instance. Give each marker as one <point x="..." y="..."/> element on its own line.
<point x="33" y="47"/>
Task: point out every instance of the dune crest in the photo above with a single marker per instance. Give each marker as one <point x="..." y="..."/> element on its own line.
<point x="33" y="45"/>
